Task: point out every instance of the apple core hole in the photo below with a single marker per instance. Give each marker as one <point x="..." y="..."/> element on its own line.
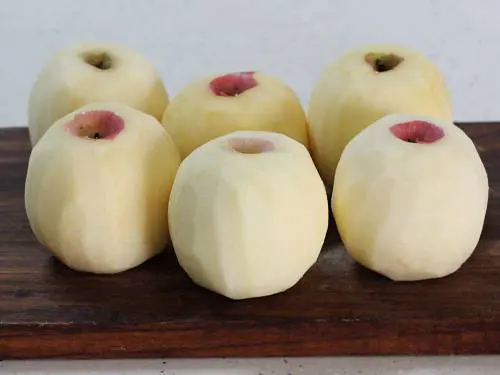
<point x="251" y="145"/>
<point x="417" y="132"/>
<point x="233" y="84"/>
<point x="382" y="62"/>
<point x="99" y="60"/>
<point x="97" y="124"/>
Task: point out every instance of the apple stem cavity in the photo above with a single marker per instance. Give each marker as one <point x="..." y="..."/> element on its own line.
<point x="96" y="125"/>
<point x="99" y="60"/>
<point x="382" y="62"/>
<point x="233" y="84"/>
<point x="417" y="132"/>
<point x="251" y="145"/>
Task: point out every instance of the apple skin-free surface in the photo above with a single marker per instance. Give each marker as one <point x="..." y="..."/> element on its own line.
<point x="101" y="205"/>
<point x="410" y="196"/>
<point x="351" y="94"/>
<point x="196" y="115"/>
<point x="84" y="73"/>
<point x="248" y="214"/>
<point x="338" y="308"/>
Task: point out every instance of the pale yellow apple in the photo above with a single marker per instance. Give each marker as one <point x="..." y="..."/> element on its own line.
<point x="98" y="185"/>
<point x="364" y="85"/>
<point x="213" y="106"/>
<point x="410" y="197"/>
<point x="84" y="73"/>
<point x="248" y="214"/>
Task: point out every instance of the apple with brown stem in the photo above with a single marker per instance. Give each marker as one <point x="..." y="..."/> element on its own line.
<point x="84" y="73"/>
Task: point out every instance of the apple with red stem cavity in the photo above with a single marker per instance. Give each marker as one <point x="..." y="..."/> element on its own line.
<point x="248" y="214"/>
<point x="410" y="197"/>
<point x="84" y="73"/>
<point x="365" y="84"/>
<point x="98" y="185"/>
<point x="213" y="106"/>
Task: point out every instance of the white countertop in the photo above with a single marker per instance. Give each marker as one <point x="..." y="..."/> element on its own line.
<point x="291" y="39"/>
<point x="275" y="366"/>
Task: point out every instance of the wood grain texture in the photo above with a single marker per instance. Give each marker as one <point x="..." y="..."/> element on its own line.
<point x="339" y="308"/>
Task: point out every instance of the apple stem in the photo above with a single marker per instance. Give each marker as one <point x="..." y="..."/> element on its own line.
<point x="251" y="145"/>
<point x="233" y="84"/>
<point x="417" y="131"/>
<point x="101" y="61"/>
<point x="380" y="65"/>
<point x="382" y="62"/>
<point x="96" y="124"/>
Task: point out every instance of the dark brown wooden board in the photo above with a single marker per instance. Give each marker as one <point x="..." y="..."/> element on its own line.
<point x="339" y="308"/>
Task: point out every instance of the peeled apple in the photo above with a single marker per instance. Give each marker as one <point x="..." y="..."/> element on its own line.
<point x="410" y="197"/>
<point x="365" y="84"/>
<point x="84" y="73"/>
<point x="216" y="105"/>
<point x="248" y="214"/>
<point x="98" y="185"/>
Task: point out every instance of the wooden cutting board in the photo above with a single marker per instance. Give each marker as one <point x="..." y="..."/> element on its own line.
<point x="339" y="308"/>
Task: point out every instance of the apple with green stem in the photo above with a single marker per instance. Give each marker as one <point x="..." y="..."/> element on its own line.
<point x="365" y="84"/>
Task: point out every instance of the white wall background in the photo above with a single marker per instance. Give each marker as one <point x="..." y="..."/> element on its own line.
<point x="292" y="39"/>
